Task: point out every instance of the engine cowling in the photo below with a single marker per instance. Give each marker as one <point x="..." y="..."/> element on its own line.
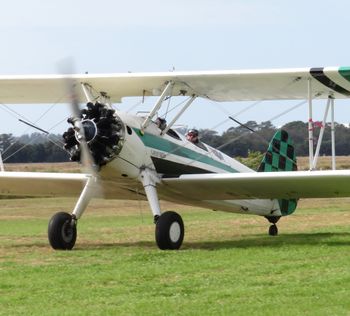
<point x="104" y="133"/>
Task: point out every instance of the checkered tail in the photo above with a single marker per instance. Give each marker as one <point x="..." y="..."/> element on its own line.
<point x="280" y="156"/>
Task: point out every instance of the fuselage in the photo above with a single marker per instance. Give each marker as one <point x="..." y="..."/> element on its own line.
<point x="172" y="155"/>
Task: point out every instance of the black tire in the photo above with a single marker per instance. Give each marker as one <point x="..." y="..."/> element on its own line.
<point x="273" y="219"/>
<point x="62" y="232"/>
<point x="170" y="231"/>
<point x="273" y="230"/>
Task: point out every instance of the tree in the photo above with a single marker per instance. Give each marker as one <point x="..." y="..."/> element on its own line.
<point x="210" y="137"/>
<point x="253" y="160"/>
<point x="5" y="141"/>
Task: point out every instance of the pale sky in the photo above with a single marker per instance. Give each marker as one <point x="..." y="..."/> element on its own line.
<point x="118" y="36"/>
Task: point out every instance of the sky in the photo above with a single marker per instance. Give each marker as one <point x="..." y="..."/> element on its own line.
<point x="111" y="36"/>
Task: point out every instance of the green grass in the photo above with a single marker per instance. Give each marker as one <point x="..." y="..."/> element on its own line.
<point x="227" y="265"/>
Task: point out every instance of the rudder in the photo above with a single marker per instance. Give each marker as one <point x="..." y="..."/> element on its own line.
<point x="280" y="156"/>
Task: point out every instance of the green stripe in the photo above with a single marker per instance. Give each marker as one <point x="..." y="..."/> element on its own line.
<point x="162" y="144"/>
<point x="345" y="72"/>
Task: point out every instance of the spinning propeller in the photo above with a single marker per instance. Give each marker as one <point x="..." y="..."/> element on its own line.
<point x="96" y="135"/>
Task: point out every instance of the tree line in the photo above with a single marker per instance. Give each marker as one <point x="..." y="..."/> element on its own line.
<point x="240" y="140"/>
<point x="236" y="141"/>
<point x="32" y="148"/>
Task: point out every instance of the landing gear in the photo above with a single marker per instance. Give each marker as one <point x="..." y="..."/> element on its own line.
<point x="170" y="231"/>
<point x="62" y="231"/>
<point x="273" y="229"/>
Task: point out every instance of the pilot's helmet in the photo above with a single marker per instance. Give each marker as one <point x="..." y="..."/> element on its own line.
<point x="161" y="123"/>
<point x="192" y="136"/>
<point x="193" y="132"/>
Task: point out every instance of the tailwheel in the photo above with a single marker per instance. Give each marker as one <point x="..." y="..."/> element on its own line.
<point x="170" y="231"/>
<point x="273" y="230"/>
<point x="62" y="231"/>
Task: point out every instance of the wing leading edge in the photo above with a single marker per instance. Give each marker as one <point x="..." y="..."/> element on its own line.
<point x="229" y="85"/>
<point x="42" y="184"/>
<point x="264" y="185"/>
<point x="45" y="184"/>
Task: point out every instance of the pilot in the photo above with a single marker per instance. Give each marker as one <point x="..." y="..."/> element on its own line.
<point x="161" y="123"/>
<point x="192" y="136"/>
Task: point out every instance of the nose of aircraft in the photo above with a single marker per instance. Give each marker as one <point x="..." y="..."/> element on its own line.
<point x="103" y="131"/>
<point x="90" y="130"/>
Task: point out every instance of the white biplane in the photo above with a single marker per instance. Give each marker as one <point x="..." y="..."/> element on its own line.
<point x="130" y="155"/>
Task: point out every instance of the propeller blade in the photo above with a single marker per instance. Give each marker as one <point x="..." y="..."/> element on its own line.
<point x="86" y="158"/>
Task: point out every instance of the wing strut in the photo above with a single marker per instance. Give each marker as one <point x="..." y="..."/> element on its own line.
<point x="188" y="103"/>
<point x="333" y="135"/>
<point x="311" y="136"/>
<point x="313" y="157"/>
<point x="103" y="96"/>
<point x="2" y="169"/>
<point x="87" y="91"/>
<point x="320" y="137"/>
<point x="158" y="104"/>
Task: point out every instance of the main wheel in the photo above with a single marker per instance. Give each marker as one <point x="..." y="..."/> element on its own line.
<point x="170" y="231"/>
<point x="62" y="231"/>
<point x="273" y="230"/>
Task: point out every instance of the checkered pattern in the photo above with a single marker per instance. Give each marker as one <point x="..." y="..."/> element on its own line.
<point x="280" y="156"/>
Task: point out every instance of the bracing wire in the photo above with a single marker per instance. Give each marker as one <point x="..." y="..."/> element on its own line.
<point x="272" y="119"/>
<point x="16" y="115"/>
<point x="249" y="107"/>
<point x="244" y="110"/>
<point x="167" y="107"/>
<point x="175" y="107"/>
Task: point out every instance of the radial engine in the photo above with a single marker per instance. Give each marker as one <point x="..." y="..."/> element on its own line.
<point x="103" y="130"/>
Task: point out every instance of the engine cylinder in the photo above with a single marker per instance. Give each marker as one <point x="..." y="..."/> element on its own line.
<point x="104" y="133"/>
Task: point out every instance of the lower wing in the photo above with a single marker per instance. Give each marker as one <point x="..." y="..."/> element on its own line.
<point x="45" y="184"/>
<point x="42" y="184"/>
<point x="260" y="185"/>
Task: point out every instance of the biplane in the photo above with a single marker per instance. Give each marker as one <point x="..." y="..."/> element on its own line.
<point x="129" y="155"/>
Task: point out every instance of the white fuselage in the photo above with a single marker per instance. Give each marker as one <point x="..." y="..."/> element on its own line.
<point x="171" y="155"/>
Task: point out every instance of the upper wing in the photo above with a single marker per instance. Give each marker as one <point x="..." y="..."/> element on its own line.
<point x="260" y="185"/>
<point x="239" y="85"/>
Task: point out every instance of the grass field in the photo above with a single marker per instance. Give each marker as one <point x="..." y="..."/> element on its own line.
<point x="227" y="265"/>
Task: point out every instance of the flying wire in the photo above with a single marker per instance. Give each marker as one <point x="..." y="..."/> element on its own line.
<point x="249" y="106"/>
<point x="240" y="112"/>
<point x="272" y="119"/>
<point x="29" y="123"/>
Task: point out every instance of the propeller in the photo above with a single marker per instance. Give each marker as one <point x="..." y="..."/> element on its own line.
<point x="76" y="136"/>
<point x="96" y="135"/>
<point x="85" y="158"/>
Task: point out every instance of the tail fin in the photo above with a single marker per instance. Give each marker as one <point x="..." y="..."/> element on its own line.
<point x="280" y="156"/>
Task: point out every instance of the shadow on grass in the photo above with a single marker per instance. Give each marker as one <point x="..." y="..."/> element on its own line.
<point x="313" y="239"/>
<point x="251" y="241"/>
